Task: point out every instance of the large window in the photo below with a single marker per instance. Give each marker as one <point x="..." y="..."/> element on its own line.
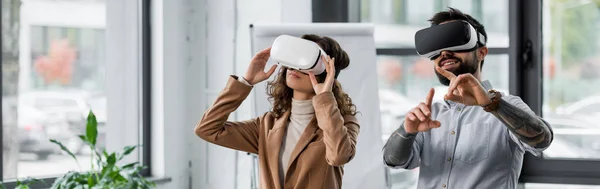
<point x="54" y="71"/>
<point x="571" y="71"/>
<point x="568" y="73"/>
<point x="64" y="76"/>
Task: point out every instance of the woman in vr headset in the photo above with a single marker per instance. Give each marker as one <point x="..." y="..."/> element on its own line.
<point x="309" y="134"/>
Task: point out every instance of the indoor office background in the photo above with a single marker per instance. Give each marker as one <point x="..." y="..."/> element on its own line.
<point x="149" y="68"/>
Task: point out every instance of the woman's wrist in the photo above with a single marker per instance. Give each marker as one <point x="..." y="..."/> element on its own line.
<point x="244" y="81"/>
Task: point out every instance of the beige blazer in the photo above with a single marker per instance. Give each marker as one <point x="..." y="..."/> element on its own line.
<point x="327" y="143"/>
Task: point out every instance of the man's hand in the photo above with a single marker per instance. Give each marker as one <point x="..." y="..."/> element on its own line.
<point x="419" y="118"/>
<point x="465" y="89"/>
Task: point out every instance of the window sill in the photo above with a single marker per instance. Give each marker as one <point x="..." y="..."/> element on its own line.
<point x="159" y="180"/>
<point x="47" y="182"/>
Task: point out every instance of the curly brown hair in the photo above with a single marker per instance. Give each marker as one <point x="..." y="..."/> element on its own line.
<point x="280" y="94"/>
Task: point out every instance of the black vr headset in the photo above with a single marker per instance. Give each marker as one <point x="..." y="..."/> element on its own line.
<point x="455" y="36"/>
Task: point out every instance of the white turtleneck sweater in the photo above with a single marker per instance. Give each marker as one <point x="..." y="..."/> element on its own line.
<point x="300" y="116"/>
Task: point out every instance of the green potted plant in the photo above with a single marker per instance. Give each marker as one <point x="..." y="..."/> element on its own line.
<point x="107" y="171"/>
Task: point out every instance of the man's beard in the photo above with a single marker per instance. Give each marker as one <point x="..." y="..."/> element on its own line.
<point x="469" y="66"/>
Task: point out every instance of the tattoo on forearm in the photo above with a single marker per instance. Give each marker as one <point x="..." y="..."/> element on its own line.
<point x="528" y="128"/>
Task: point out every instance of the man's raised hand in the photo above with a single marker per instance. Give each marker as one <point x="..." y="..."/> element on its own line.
<point x="419" y="118"/>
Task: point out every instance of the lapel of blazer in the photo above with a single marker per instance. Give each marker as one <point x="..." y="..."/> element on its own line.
<point x="308" y="135"/>
<point x="274" y="140"/>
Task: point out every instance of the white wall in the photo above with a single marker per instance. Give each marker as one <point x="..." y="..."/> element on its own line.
<point x="170" y="128"/>
<point x="123" y="65"/>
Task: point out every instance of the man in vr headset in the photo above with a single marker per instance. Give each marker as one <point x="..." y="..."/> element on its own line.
<point x="476" y="137"/>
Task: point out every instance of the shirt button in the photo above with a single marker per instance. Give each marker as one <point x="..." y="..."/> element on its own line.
<point x="449" y="159"/>
<point x="458" y="109"/>
<point x="452" y="133"/>
<point x="443" y="185"/>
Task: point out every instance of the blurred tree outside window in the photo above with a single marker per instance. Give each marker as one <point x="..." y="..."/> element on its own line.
<point x="572" y="62"/>
<point x="57" y="66"/>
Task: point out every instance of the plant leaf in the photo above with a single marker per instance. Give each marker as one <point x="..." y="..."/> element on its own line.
<point x="83" y="138"/>
<point x="120" y="178"/>
<point x="126" y="151"/>
<point x="105" y="155"/>
<point x="63" y="148"/>
<point x="90" y="181"/>
<point x="91" y="130"/>
<point x="130" y="166"/>
<point x="117" y="177"/>
<point x="67" y="180"/>
<point x="108" y="167"/>
<point x="112" y="159"/>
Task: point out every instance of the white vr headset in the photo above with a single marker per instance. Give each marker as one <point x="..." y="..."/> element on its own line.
<point x="299" y="54"/>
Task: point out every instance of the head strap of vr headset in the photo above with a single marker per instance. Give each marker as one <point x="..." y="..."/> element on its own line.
<point x="481" y="40"/>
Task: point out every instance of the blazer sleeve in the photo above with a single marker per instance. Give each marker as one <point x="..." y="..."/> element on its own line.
<point x="339" y="132"/>
<point x="214" y="127"/>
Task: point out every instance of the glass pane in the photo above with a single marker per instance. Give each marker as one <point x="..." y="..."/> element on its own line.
<point x="396" y="21"/>
<point x="571" y="76"/>
<point x="404" y="82"/>
<point x="558" y="186"/>
<point x="53" y="75"/>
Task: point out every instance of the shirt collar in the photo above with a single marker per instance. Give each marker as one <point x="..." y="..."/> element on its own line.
<point x="487" y="85"/>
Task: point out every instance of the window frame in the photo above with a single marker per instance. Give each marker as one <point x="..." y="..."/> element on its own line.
<point x="526" y="23"/>
<point x="144" y="20"/>
<point x="146" y="106"/>
<point x="1" y="94"/>
<point x="525" y="80"/>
